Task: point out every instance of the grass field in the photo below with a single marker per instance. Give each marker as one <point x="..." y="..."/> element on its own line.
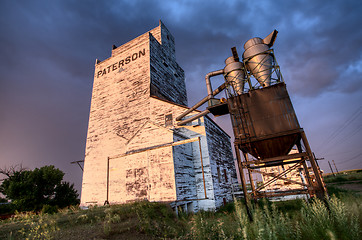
<point x="294" y="219"/>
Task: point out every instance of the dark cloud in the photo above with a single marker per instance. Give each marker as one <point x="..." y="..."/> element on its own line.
<point x="48" y="51"/>
<point x="321" y="41"/>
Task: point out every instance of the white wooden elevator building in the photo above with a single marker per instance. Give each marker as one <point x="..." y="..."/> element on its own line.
<point x="134" y="150"/>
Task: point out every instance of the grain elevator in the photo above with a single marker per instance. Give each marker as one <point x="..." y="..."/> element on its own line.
<point x="134" y="148"/>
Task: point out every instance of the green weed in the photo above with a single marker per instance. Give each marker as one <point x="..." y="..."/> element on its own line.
<point x="40" y="226"/>
<point x="297" y="220"/>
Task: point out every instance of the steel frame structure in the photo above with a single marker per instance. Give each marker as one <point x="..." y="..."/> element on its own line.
<point x="314" y="186"/>
<point x="264" y="125"/>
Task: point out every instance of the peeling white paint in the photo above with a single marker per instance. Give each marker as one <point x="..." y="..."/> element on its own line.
<point x="127" y="124"/>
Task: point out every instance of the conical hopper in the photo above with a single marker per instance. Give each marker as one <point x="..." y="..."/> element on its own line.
<point x="258" y="61"/>
<point x="234" y="74"/>
<point x="259" y="64"/>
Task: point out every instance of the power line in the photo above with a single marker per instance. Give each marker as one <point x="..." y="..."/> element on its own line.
<point x="352" y="158"/>
<point x="347" y="138"/>
<point x="339" y="130"/>
<point x="345" y="124"/>
<point x="352" y="134"/>
<point x="338" y="153"/>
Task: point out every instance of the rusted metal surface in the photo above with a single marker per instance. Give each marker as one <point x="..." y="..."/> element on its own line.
<point x="219" y="109"/>
<point x="243" y="181"/>
<point x="276" y="159"/>
<point x="208" y="82"/>
<point x="272" y="164"/>
<point x="321" y="188"/>
<point x="264" y="122"/>
<point x="264" y="113"/>
<point x="204" y="100"/>
<point x="251" y="180"/>
<point x="197" y="116"/>
<point x="314" y="185"/>
<point x="202" y="167"/>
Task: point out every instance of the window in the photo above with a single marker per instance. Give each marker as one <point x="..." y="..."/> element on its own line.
<point x="225" y="175"/>
<point x="218" y="174"/>
<point x="168" y="120"/>
<point x="164" y="63"/>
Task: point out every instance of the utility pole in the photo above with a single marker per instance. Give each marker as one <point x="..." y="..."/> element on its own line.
<point x="335" y="166"/>
<point x="331" y="168"/>
<point x="316" y="159"/>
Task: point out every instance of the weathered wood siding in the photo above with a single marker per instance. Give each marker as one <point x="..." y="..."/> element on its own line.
<point x="221" y="157"/>
<point x="167" y="77"/>
<point x="119" y="106"/>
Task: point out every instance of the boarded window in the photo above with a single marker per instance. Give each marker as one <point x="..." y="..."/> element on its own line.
<point x="168" y="120"/>
<point x="225" y="175"/>
<point x="218" y="174"/>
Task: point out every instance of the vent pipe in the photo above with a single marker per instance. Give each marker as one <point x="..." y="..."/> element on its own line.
<point x="208" y="82"/>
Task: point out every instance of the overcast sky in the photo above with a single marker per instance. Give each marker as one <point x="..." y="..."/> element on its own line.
<point x="48" y="50"/>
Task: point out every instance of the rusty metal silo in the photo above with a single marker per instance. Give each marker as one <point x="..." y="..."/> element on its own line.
<point x="264" y="122"/>
<point x="261" y="113"/>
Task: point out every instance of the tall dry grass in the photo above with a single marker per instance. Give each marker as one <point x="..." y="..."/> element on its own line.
<point x="315" y="220"/>
<point x="297" y="220"/>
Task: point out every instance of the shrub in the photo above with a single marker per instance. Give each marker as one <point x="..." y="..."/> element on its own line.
<point x="49" y="209"/>
<point x="157" y="219"/>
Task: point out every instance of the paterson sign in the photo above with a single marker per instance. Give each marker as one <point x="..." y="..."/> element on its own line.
<point x="121" y="63"/>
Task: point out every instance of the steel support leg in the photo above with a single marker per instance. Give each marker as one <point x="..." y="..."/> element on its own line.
<point x="321" y="191"/>
<point x="243" y="182"/>
<point x="250" y="178"/>
<point x="309" y="179"/>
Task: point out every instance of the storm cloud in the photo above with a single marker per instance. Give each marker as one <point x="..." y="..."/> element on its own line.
<point x="48" y="50"/>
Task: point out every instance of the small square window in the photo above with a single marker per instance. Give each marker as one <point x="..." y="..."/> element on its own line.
<point x="168" y="120"/>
